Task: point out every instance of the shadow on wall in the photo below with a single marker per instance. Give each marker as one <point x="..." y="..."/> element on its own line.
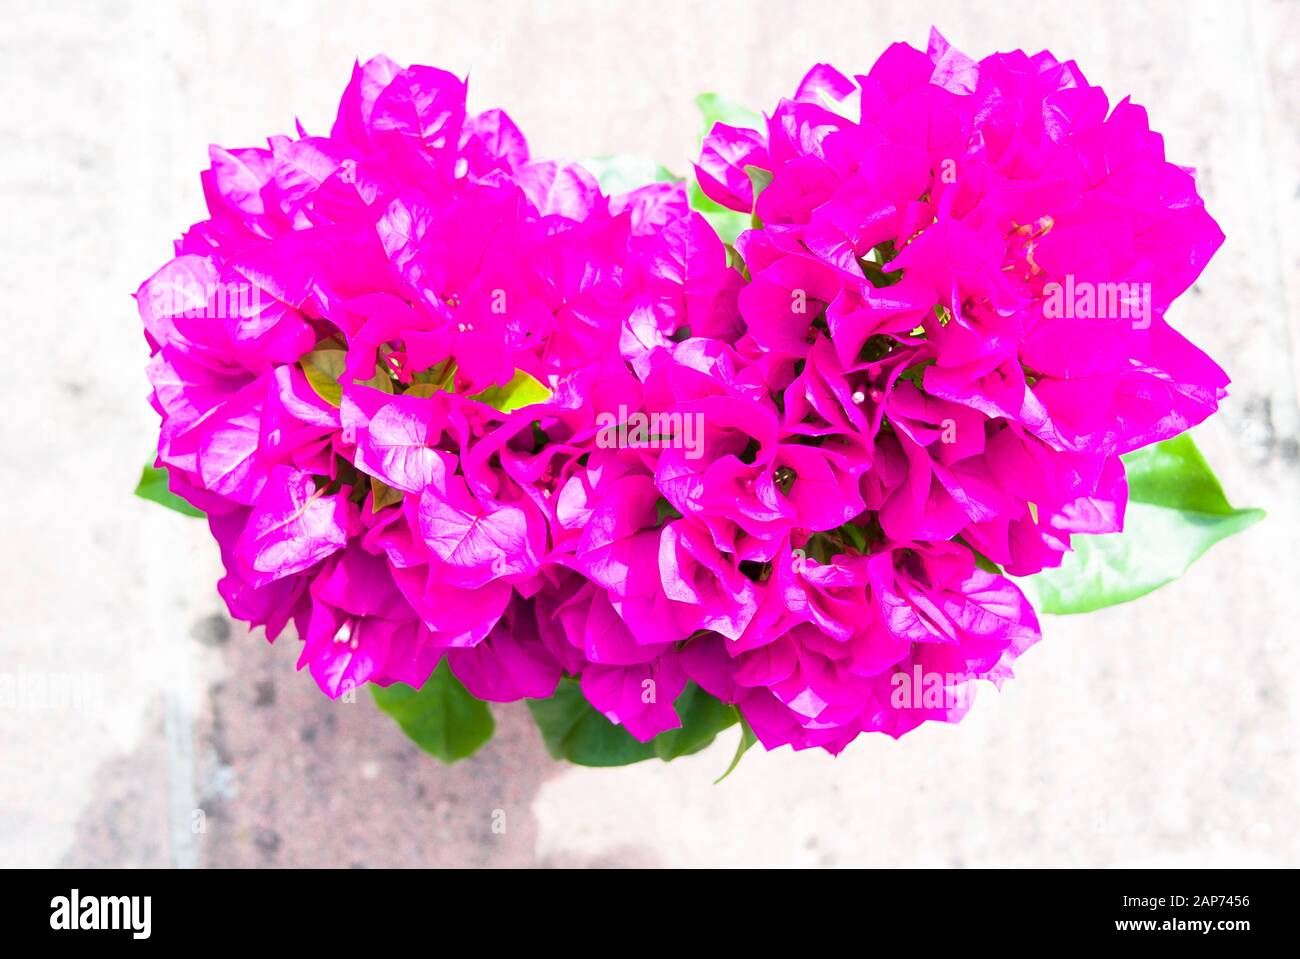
<point x="288" y="778"/>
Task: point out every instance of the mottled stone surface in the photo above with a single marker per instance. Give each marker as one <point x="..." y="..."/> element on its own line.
<point x="1163" y="732"/>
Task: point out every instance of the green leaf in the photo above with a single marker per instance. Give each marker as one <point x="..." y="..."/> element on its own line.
<point x="758" y="179"/>
<point x="442" y="717"/>
<point x="153" y="487"/>
<point x="747" y="739"/>
<point x="665" y="512"/>
<point x="627" y="171"/>
<point x="572" y="729"/>
<point x="440" y="377"/>
<point x="323" y="369"/>
<point x="521" y="391"/>
<point x="384" y="495"/>
<point x="855" y="535"/>
<point x="715" y="108"/>
<point x="703" y="717"/>
<point x="1174" y="474"/>
<point x="380" y="381"/>
<point x="1176" y="511"/>
<point x="986" y="564"/>
<point x="728" y="224"/>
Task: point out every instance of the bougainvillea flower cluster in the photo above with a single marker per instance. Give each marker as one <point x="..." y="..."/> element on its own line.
<point x="957" y="297"/>
<point x="348" y="357"/>
<point x="442" y="401"/>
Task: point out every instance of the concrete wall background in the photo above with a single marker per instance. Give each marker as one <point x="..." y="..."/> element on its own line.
<point x="1162" y="732"/>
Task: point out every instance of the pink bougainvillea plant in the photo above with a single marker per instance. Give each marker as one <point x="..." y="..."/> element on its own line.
<point x="791" y="446"/>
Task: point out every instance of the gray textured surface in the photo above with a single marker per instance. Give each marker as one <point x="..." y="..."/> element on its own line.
<point x="1161" y="732"/>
